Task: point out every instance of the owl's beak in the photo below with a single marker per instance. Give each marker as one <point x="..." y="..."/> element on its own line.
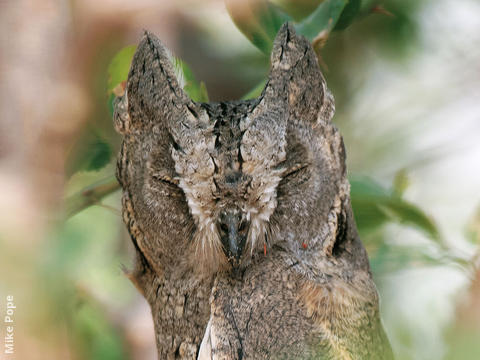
<point x="233" y="231"/>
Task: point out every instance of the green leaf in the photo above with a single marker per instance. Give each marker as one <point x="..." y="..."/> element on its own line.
<point x="348" y="14"/>
<point x="365" y="187"/>
<point x="196" y="90"/>
<point x="110" y="106"/>
<point x="298" y="9"/>
<point x="258" y="20"/>
<point x="91" y="152"/>
<point x="374" y="205"/>
<point x="390" y="258"/>
<point x="400" y="182"/>
<point x="403" y="212"/>
<point x="119" y="67"/>
<point x="322" y="20"/>
<point x="100" y="154"/>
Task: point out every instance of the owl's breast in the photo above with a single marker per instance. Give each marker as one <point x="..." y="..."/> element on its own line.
<point x="273" y="311"/>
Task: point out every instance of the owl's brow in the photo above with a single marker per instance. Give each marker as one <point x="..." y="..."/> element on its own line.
<point x="294" y="169"/>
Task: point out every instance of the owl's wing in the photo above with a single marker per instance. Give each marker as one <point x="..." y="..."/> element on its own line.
<point x="346" y="313"/>
<point x="270" y="312"/>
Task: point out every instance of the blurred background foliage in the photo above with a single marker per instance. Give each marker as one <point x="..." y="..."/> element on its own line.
<point x="405" y="77"/>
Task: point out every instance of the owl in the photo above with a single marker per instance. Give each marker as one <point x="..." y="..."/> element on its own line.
<point x="240" y="215"/>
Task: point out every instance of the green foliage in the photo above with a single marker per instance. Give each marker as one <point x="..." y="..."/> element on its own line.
<point x="119" y="67"/>
<point x="92" y="152"/>
<point x="259" y="21"/>
<point x="374" y="205"/>
<point x="400" y="182"/>
<point x="100" y="155"/>
<point x="348" y="14"/>
<point x="196" y="90"/>
<point x="322" y="20"/>
<point x="395" y="24"/>
<point x="110" y="106"/>
<point x="78" y="271"/>
<point x="298" y="9"/>
<point x="118" y="72"/>
<point x="387" y="258"/>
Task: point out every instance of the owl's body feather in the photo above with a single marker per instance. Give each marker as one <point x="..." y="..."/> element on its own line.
<point x="241" y="218"/>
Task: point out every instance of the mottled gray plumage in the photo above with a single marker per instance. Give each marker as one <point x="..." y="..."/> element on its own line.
<point x="241" y="218"/>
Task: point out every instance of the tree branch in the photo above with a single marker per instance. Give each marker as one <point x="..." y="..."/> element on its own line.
<point x="91" y="195"/>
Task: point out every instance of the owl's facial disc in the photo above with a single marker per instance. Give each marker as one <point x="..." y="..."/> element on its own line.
<point x="233" y="229"/>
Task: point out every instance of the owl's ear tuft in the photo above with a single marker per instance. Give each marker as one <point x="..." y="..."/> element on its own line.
<point x="153" y="92"/>
<point x="288" y="48"/>
<point x="295" y="77"/>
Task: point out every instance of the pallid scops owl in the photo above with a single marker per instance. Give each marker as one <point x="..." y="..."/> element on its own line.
<point x="239" y="211"/>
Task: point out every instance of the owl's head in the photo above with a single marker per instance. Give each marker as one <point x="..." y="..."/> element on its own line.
<point x="215" y="184"/>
